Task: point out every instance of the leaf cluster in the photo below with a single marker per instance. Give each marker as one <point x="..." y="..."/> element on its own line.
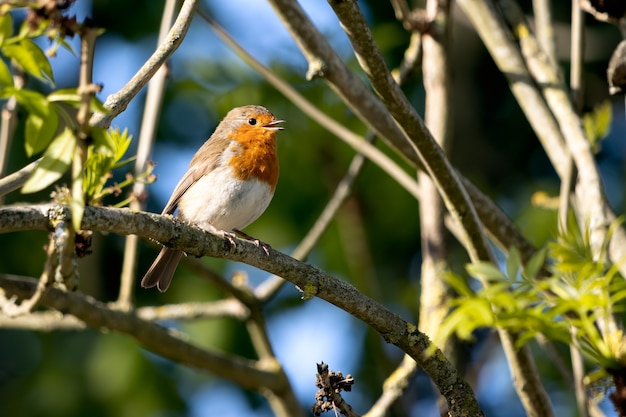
<point x="51" y="126"/>
<point x="563" y="292"/>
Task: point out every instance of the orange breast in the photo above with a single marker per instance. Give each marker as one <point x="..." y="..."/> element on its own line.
<point x="255" y="155"/>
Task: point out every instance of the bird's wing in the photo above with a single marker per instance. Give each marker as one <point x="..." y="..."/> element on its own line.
<point x="183" y="185"/>
<point x="202" y="163"/>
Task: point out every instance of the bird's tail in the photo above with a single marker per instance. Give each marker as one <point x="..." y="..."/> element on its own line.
<point x="162" y="270"/>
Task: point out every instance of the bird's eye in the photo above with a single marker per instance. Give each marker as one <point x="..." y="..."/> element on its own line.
<point x="252" y="121"/>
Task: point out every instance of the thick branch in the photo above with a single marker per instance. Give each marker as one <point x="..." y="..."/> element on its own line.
<point x="311" y="280"/>
<point x="498" y="40"/>
<point x="373" y="113"/>
<point x="589" y="190"/>
<point x="431" y="155"/>
<point x="249" y="374"/>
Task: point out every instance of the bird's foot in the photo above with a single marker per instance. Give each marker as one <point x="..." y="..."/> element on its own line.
<point x="223" y="233"/>
<point x="266" y="247"/>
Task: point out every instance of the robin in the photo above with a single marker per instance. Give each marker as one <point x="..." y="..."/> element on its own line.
<point x="229" y="183"/>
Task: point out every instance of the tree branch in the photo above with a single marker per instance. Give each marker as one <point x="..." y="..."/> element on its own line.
<point x="590" y="191"/>
<point x="15" y="180"/>
<point x="117" y="102"/>
<point x="309" y="279"/>
<point x="499" y="41"/>
<point x="430" y="154"/>
<point x="373" y="113"/>
<point x="247" y="373"/>
<point x="149" y="122"/>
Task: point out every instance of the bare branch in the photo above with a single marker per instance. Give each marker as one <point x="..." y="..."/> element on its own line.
<point x="544" y="26"/>
<point x="48" y="321"/>
<point x="15" y="180"/>
<point x="435" y="295"/>
<point x="394" y="387"/>
<point x="360" y="99"/>
<point x="149" y="122"/>
<point x="431" y="155"/>
<point x="247" y="373"/>
<point x="9" y="123"/>
<point x="309" y="279"/>
<point x="117" y="102"/>
<point x="499" y="41"/>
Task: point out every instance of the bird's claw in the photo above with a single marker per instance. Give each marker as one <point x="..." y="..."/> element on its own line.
<point x="266" y="248"/>
<point x="259" y="244"/>
<point x="230" y="237"/>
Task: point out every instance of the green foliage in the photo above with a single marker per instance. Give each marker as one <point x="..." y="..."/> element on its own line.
<point x="23" y="51"/>
<point x="51" y="129"/>
<point x="30" y="58"/>
<point x="572" y="305"/>
<point x="597" y="124"/>
<point x="104" y="157"/>
<point x="56" y="161"/>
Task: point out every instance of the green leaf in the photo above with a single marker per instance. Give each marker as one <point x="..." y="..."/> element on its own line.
<point x="597" y="123"/>
<point x="485" y="271"/>
<point x="33" y="101"/>
<point x="77" y="204"/>
<point x="513" y="263"/>
<point x="65" y="95"/>
<point x="39" y="131"/>
<point x="534" y="264"/>
<point x="122" y="142"/>
<point x="6" y="79"/>
<point x="71" y="97"/>
<point x="6" y="27"/>
<point x="103" y="141"/>
<point x="31" y="58"/>
<point x="54" y="164"/>
<point x="28" y="31"/>
<point x="458" y="284"/>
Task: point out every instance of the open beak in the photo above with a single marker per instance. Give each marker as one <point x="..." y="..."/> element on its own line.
<point x="274" y="125"/>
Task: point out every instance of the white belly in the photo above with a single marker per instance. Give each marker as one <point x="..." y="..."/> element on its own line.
<point x="221" y="201"/>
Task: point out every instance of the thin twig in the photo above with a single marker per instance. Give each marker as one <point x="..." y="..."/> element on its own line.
<point x="48" y="321"/>
<point x="15" y="180"/>
<point x="577" y="48"/>
<point x="9" y="123"/>
<point x="544" y="26"/>
<point x="324" y="62"/>
<point x="117" y="102"/>
<point x="96" y="315"/>
<point x="401" y="9"/>
<point x="435" y="293"/>
<point x="431" y="155"/>
<point x="149" y="123"/>
<point x="438" y="119"/>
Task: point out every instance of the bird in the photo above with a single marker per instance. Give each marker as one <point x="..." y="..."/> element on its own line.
<point x="229" y="183"/>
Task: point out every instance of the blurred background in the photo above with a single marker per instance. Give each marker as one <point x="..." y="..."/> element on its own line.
<point x="374" y="242"/>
